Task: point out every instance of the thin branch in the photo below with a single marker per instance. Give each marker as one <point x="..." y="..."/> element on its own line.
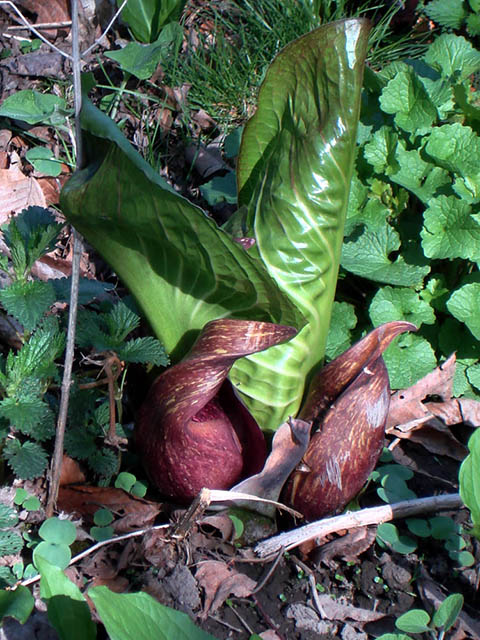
<point x="99" y="545"/>
<point x="109" y="26"/>
<point x="33" y="30"/>
<point x="352" y="520"/>
<point x="56" y="465"/>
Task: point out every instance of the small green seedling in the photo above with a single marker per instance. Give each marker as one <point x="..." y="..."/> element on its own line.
<point x="103" y="518"/>
<point x="129" y="483"/>
<point x="419" y="621"/>
<point x="57" y="536"/>
<point x="26" y="500"/>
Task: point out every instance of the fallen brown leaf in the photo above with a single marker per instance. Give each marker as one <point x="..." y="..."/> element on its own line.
<point x="132" y="513"/>
<point x="17" y="192"/>
<point x="347" y="547"/>
<point x="70" y="472"/>
<point x="219" y="581"/>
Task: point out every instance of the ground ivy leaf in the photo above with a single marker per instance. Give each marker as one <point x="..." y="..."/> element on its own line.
<point x="408" y="359"/>
<point x="420" y="177"/>
<point x="473" y="375"/>
<point x="467" y="188"/>
<point x="406" y="98"/>
<point x="456" y="148"/>
<point x="441" y="94"/>
<point x="367" y="254"/>
<point x="339" y="336"/>
<point x="464" y="305"/>
<point x="453" y="56"/>
<point x="379" y="152"/>
<point x="450" y="229"/>
<point x="400" y="303"/>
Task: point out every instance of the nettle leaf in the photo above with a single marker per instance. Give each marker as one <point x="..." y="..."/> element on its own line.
<point x="10" y="543"/>
<point x="30" y="415"/>
<point x="400" y="303"/>
<point x="294" y="172"/>
<point x="410" y="358"/>
<point x="464" y="304"/>
<point x="368" y="207"/>
<point x="450" y="229"/>
<point x="406" y="97"/>
<point x="28" y="301"/>
<point x="455" y="147"/>
<point x="367" y="254"/>
<point x="145" y="350"/>
<point x="453" y="56"/>
<point x="121" y="321"/>
<point x="449" y="14"/>
<point x="339" y="335"/>
<point x="27" y="460"/>
<point x="8" y="516"/>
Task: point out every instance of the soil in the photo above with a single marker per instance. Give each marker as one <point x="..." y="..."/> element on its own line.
<point x="286" y="599"/>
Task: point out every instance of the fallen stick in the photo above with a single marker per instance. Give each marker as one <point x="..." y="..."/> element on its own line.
<point x="353" y="519"/>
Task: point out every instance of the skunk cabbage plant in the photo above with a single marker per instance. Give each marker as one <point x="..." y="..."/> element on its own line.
<point x="192" y="431"/>
<point x="256" y="295"/>
<point x="293" y="174"/>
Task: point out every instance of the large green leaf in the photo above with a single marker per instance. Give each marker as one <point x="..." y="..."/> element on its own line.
<point x="147" y="17"/>
<point x="183" y="270"/>
<point x="294" y="172"/>
<point x="137" y="616"/>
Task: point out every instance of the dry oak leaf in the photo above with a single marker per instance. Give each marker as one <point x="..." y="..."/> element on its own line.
<point x="17" y="192"/>
<point x="219" y="581"/>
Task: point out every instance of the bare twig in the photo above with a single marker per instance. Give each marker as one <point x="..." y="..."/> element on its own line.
<point x="99" y="545"/>
<point x="56" y="465"/>
<point x="41" y="25"/>
<point x="25" y="22"/>
<point x="373" y="515"/>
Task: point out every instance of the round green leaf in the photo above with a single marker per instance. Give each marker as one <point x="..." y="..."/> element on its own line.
<point x="103" y="517"/>
<point x="57" y="554"/>
<point x="462" y="558"/>
<point x="20" y="496"/>
<point x="125" y="481"/>
<point x="443" y="527"/>
<point x="58" y="531"/>
<point x="419" y="527"/>
<point x="139" y="489"/>
<point x="102" y="533"/>
<point x="448" y="611"/>
<point x="388" y="534"/>
<point x="32" y="504"/>
<point x="414" y="621"/>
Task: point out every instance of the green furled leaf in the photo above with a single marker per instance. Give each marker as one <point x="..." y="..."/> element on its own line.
<point x="390" y="304"/>
<point x="146" y="350"/>
<point x="464" y="304"/>
<point x="453" y="56"/>
<point x="455" y="147"/>
<point x="44" y="161"/>
<point x="406" y="97"/>
<point x="68" y="610"/>
<point x="450" y="229"/>
<point x="182" y="269"/>
<point x="367" y="254"/>
<point x="142" y="60"/>
<point x="34" y="107"/>
<point x="147" y="17"/>
<point x="134" y="615"/>
<point x="410" y="358"/>
<point x="414" y="621"/>
<point x="10" y="543"/>
<point x="294" y="172"/>
<point x="16" y="604"/>
<point x="27" y="460"/>
<point x="448" y="13"/>
<point x="28" y="301"/>
<point x="342" y="322"/>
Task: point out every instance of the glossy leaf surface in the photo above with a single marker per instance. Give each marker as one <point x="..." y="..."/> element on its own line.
<point x="348" y="406"/>
<point x="192" y="432"/>
<point x="182" y="269"/>
<point x="294" y="172"/>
